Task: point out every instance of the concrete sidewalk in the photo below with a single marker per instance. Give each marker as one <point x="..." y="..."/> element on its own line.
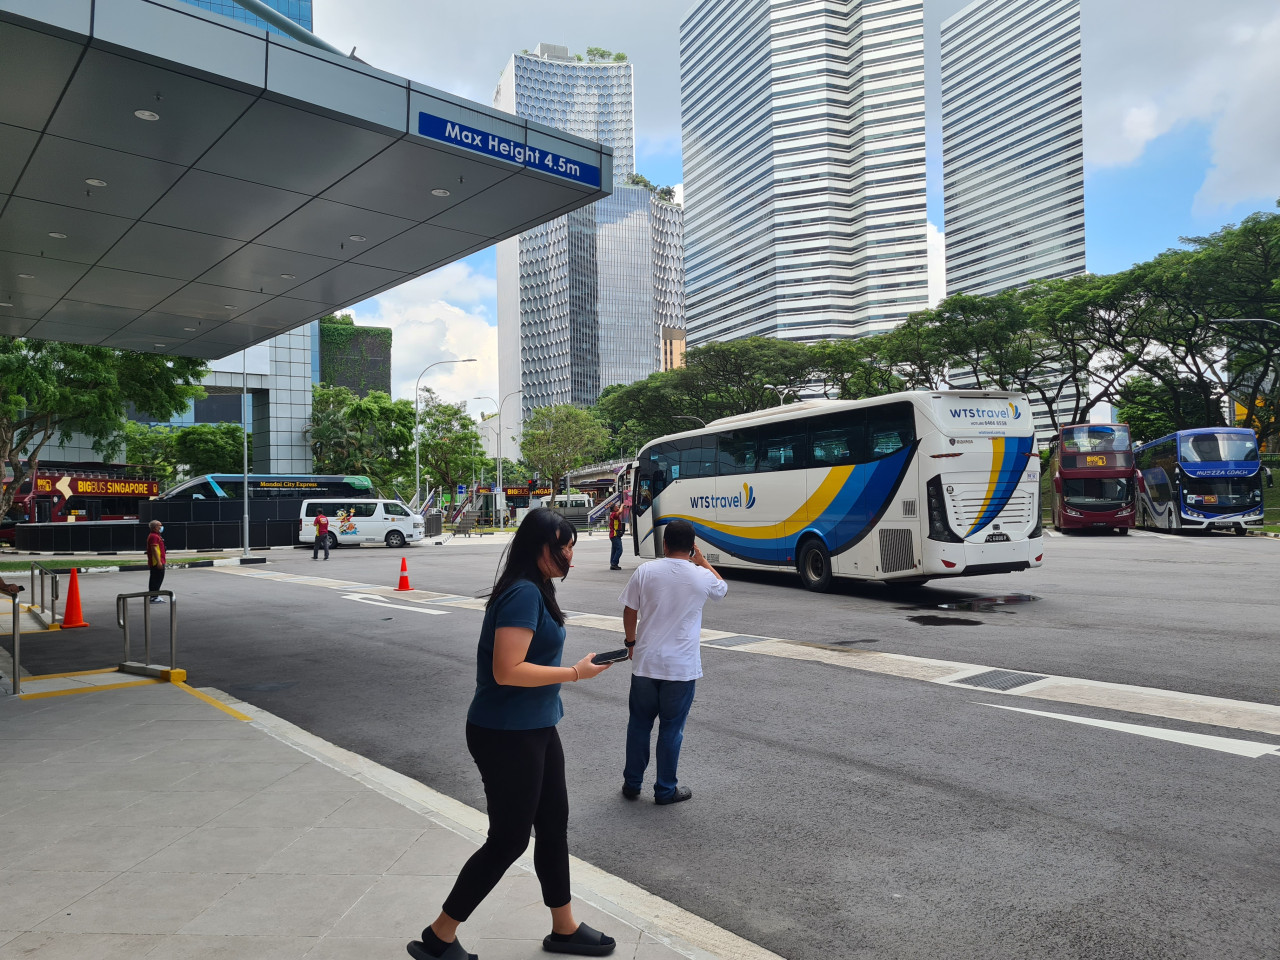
<point x="164" y="822"/>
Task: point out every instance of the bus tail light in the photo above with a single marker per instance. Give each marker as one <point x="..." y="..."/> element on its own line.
<point x="939" y="529"/>
<point x="1038" y="529"/>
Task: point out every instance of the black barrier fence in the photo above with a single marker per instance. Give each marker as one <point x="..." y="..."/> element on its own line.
<point x="188" y="525"/>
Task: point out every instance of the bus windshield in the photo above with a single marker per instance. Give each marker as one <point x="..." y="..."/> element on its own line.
<point x="1095" y="438"/>
<point x="1088" y="493"/>
<point x="1215" y="447"/>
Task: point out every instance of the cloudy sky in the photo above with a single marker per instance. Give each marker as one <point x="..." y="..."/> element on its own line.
<point x="1182" y="129"/>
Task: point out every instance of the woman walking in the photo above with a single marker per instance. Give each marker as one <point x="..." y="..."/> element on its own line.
<point x="511" y="733"/>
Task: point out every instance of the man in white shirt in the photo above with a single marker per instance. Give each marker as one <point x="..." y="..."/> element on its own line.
<point x="666" y="598"/>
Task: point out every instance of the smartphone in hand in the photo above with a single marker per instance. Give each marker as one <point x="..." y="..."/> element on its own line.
<point x="613" y="656"/>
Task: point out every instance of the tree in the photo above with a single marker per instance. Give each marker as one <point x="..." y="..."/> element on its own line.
<point x="150" y="449"/>
<point x="557" y="439"/>
<point x="854" y="369"/>
<point x="335" y="441"/>
<point x="1152" y="410"/>
<point x="49" y="390"/>
<point x="451" y="452"/>
<point x="599" y="54"/>
<point x="210" y="448"/>
<point x="665" y="194"/>
<point x="370" y="435"/>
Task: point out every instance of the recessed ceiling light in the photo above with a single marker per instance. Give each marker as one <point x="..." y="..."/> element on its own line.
<point x="58" y="236"/>
<point x="287" y="276"/>
<point x="229" y="306"/>
<point x="146" y="115"/>
<point x="6" y="304"/>
<point x="189" y="329"/>
<point x="26" y="276"/>
<point x="357" y="238"/>
<point x="158" y="344"/>
<point x="95" y="182"/>
<point x="440" y="192"/>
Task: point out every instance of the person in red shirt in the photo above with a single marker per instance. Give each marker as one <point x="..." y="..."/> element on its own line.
<point x="321" y="524"/>
<point x="155" y="559"/>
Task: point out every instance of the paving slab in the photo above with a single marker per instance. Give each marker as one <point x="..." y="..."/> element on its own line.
<point x="169" y="823"/>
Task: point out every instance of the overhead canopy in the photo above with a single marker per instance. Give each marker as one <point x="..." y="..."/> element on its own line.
<point x="173" y="181"/>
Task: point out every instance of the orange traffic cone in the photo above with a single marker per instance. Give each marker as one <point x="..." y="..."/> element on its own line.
<point x="404" y="577"/>
<point x="72" y="616"/>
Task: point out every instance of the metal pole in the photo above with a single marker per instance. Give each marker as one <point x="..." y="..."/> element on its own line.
<point x="17" y="649"/>
<point x="173" y="632"/>
<point x="287" y="26"/>
<point x="244" y="417"/>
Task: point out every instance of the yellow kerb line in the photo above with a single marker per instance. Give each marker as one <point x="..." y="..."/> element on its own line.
<point x="87" y="689"/>
<point x="75" y="673"/>
<point x="230" y="711"/>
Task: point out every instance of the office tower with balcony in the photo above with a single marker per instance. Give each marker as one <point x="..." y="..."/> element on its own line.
<point x="583" y="300"/>
<point x="804" y="167"/>
<point x="1012" y="144"/>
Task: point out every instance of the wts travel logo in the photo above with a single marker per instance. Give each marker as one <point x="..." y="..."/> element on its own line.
<point x="1010" y="412"/>
<point x="740" y="501"/>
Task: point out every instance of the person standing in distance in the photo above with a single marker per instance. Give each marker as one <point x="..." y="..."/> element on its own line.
<point x="511" y="733"/>
<point x="616" y="529"/>
<point x="662" y="617"/>
<point x="321" y="523"/>
<point x="155" y="559"/>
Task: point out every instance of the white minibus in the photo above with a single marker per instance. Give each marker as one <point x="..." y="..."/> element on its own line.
<point x="353" y="522"/>
<point x="902" y="488"/>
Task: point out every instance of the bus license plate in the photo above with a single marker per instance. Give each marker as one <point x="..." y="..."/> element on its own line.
<point x="1223" y="523"/>
<point x="997" y="538"/>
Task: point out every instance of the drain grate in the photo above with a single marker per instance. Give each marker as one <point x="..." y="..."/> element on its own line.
<point x="1000" y="679"/>
<point x="734" y="641"/>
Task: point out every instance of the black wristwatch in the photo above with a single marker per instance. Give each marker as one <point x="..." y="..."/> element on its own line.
<point x="629" y="643"/>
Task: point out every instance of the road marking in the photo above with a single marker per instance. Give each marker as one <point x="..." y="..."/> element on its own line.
<point x="1240" y="748"/>
<point x="378" y="601"/>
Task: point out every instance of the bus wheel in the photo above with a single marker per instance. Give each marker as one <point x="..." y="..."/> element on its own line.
<point x="395" y="539"/>
<point x="1123" y="531"/>
<point x="814" y="564"/>
<point x="1242" y="531"/>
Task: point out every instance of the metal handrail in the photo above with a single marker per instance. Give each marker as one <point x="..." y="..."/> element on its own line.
<point x="122" y="621"/>
<point x="17" y="643"/>
<point x="54" y="590"/>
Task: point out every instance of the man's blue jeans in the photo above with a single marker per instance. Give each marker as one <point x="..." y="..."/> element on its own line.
<point x="669" y="701"/>
<point x="615" y="551"/>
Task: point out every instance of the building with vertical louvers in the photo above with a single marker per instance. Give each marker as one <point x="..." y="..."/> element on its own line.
<point x="804" y="167"/>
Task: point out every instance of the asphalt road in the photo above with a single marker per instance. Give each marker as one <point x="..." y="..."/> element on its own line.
<point x="836" y="813"/>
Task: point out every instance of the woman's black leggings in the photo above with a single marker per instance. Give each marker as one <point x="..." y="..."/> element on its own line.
<point x="523" y="773"/>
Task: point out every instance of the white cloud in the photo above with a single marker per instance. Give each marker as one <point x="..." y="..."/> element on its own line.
<point x="444" y="315"/>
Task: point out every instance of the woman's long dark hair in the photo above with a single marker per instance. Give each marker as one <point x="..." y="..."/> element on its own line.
<point x="540" y="528"/>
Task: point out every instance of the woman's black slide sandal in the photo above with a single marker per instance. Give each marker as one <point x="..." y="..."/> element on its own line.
<point x="584" y="942"/>
<point x="455" y="951"/>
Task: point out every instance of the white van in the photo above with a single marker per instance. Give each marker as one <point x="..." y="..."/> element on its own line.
<point x="572" y="501"/>
<point x="353" y="522"/>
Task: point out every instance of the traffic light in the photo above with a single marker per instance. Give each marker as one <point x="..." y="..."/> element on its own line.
<point x="532" y="486"/>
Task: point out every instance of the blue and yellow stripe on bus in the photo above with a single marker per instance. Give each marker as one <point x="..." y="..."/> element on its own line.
<point x="842" y="510"/>
<point x="1009" y="457"/>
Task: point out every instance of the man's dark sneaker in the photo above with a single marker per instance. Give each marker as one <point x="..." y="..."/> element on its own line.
<point x="631" y="793"/>
<point x="615" y="568"/>
<point x="682" y="793"/>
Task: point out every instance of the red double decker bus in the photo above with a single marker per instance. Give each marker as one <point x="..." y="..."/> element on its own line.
<point x="1093" y="477"/>
<point x="66" y="494"/>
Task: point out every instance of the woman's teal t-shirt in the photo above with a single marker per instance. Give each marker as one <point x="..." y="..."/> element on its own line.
<point x="518" y="708"/>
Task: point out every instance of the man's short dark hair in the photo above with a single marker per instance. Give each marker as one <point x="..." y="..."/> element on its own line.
<point x="678" y="537"/>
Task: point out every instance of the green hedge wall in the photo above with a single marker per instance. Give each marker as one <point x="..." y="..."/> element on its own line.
<point x="358" y="358"/>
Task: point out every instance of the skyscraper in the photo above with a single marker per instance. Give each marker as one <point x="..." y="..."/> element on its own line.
<point x="804" y="167"/>
<point x="582" y="300"/>
<point x="1012" y="144"/>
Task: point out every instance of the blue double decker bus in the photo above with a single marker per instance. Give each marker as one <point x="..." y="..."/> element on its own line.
<point x="1205" y="479"/>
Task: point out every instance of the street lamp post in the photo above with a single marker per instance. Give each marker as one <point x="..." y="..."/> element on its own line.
<point x="417" y="430"/>
<point x="685" y="416"/>
<point x="500" y="496"/>
<point x="779" y="390"/>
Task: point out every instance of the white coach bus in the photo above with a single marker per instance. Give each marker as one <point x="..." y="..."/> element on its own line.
<point x="903" y="488"/>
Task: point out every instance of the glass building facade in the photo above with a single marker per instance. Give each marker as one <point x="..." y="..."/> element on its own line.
<point x="583" y="299"/>
<point x="299" y="11"/>
<point x="1012" y="144"/>
<point x="804" y="167"/>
